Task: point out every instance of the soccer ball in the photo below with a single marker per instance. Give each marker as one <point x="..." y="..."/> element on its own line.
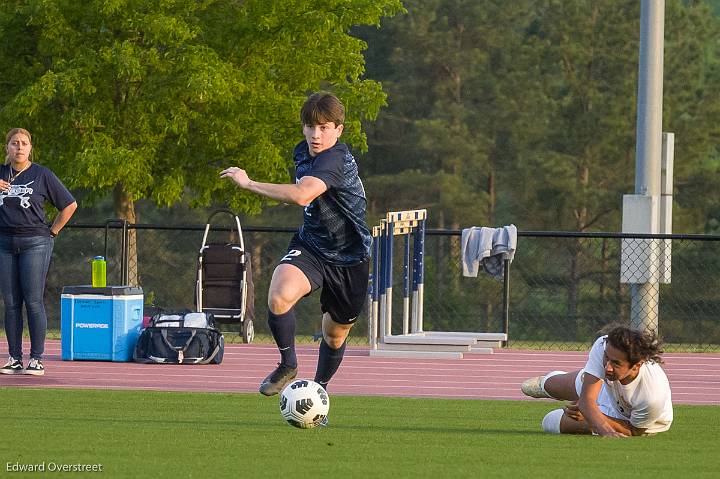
<point x="304" y="403"/>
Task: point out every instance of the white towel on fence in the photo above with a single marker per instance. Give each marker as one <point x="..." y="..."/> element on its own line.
<point x="489" y="246"/>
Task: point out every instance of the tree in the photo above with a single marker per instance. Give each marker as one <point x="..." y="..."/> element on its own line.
<point x="458" y="77"/>
<point x="587" y="161"/>
<point x="152" y="98"/>
<point x="461" y="109"/>
<point x="524" y="112"/>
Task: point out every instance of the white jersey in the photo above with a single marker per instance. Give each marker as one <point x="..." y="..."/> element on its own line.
<point x="645" y="402"/>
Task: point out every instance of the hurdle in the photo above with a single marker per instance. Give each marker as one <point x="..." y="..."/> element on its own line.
<point x="408" y="224"/>
<point x="413" y="341"/>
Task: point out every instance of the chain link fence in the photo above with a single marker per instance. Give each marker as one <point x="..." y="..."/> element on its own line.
<point x="564" y="287"/>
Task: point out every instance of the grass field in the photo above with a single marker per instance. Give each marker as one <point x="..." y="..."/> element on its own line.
<point x="138" y="434"/>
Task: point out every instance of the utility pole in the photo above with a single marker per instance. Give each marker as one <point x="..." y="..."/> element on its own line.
<point x="642" y="211"/>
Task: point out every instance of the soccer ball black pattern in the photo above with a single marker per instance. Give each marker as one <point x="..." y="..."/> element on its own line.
<point x="304" y="403"/>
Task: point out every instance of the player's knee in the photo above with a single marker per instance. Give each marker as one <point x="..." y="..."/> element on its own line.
<point x="334" y="334"/>
<point x="279" y="303"/>
<point x="335" y="342"/>
<point x="551" y="421"/>
<point x="333" y="337"/>
<point x="274" y="304"/>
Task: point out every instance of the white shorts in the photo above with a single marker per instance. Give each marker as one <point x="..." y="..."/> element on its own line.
<point x="604" y="401"/>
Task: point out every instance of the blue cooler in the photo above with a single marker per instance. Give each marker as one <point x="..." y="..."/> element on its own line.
<point x="100" y="324"/>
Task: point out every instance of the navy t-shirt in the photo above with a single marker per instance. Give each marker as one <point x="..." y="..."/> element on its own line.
<point x="334" y="223"/>
<point x="22" y="208"/>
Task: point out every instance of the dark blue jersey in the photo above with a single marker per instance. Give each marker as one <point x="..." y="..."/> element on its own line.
<point x="22" y="207"/>
<point x="334" y="223"/>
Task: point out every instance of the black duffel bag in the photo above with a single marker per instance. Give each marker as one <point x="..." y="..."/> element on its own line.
<point x="188" y="338"/>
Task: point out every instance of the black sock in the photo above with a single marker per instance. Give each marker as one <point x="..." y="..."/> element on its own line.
<point x="282" y="327"/>
<point x="329" y="361"/>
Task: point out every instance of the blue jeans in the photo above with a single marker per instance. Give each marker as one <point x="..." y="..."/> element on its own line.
<point x="24" y="262"/>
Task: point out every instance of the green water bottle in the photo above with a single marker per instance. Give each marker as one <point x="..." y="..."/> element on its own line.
<point x="98" y="272"/>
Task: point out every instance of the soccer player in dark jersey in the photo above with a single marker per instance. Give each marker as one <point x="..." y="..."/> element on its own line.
<point x="330" y="250"/>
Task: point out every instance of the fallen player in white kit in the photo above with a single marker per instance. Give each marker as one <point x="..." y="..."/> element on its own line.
<point x="622" y="390"/>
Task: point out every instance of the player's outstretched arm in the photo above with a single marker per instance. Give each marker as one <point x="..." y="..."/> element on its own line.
<point x="302" y="193"/>
<point x="574" y="423"/>
<point x="587" y="404"/>
<point x="624" y="427"/>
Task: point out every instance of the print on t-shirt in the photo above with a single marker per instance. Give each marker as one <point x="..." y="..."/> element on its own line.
<point x="22" y="192"/>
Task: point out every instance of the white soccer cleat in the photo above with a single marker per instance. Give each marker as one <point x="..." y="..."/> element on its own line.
<point x="533" y="387"/>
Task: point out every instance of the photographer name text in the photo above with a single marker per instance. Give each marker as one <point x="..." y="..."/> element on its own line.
<point x="52" y="467"/>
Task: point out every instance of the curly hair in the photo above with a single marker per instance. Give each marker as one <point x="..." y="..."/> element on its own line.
<point x="638" y="345"/>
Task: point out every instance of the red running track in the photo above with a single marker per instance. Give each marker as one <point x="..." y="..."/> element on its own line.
<point x="694" y="378"/>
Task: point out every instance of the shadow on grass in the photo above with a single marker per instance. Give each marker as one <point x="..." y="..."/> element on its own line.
<point x="274" y="421"/>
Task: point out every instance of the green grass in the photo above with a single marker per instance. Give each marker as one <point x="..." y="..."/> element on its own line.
<point x="185" y="435"/>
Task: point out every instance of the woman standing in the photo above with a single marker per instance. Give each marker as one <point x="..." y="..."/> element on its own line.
<point x="26" y="244"/>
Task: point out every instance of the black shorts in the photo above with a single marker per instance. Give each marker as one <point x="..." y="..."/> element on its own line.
<point x="344" y="288"/>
